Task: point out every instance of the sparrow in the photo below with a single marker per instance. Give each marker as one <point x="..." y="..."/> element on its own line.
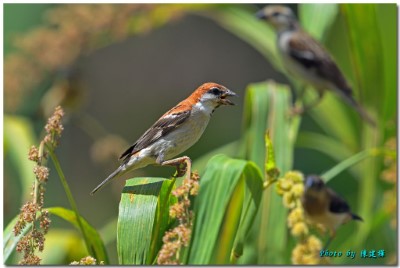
<point x="324" y="206"/>
<point x="306" y="59"/>
<point x="175" y="132"/>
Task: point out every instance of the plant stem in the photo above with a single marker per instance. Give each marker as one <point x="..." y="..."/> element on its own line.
<point x="71" y="200"/>
<point x="345" y="164"/>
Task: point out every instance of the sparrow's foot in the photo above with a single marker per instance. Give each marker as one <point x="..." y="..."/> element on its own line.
<point x="182" y="164"/>
<point x="181" y="169"/>
<point x="296" y="110"/>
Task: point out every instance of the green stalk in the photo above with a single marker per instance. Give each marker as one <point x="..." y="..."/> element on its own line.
<point x="345" y="164"/>
<point x="71" y="200"/>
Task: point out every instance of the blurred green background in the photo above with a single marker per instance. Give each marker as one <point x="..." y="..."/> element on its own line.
<point x="115" y="79"/>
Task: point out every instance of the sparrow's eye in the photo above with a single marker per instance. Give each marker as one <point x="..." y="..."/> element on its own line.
<point x="215" y="91"/>
<point x="275" y="14"/>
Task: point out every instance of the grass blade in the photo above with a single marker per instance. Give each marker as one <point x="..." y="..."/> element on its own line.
<point x="230" y="192"/>
<point x="94" y="239"/>
<point x="317" y="18"/>
<point x="143" y="218"/>
<point x="10" y="240"/>
<point x="18" y="138"/>
<point x="267" y="106"/>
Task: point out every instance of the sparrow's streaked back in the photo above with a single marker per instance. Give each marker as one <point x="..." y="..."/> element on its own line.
<point x="175" y="131"/>
<point x="306" y="59"/>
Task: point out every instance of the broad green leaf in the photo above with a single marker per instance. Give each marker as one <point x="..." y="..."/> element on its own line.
<point x="366" y="47"/>
<point x="10" y="240"/>
<point x="366" y="50"/>
<point x="255" y="115"/>
<point x="250" y="207"/>
<point x="267" y="106"/>
<point x="18" y="138"/>
<point x="95" y="240"/>
<point x="143" y="219"/>
<point x="317" y="18"/>
<point x="229" y="196"/>
<point x="387" y="18"/>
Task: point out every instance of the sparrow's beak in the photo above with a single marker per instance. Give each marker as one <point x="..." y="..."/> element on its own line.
<point x="223" y="99"/>
<point x="261" y="15"/>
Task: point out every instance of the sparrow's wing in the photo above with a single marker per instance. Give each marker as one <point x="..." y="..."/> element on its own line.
<point x="168" y="122"/>
<point x="309" y="53"/>
<point x="337" y="204"/>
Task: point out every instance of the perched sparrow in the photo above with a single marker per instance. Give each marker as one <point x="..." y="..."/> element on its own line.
<point x="176" y="131"/>
<point x="306" y="59"/>
<point x="322" y="205"/>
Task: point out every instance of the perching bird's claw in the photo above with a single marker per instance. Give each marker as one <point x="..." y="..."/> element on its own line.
<point x="181" y="169"/>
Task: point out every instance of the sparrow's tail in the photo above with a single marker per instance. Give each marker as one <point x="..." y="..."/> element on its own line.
<point x="349" y="98"/>
<point x="356" y="217"/>
<point x="115" y="174"/>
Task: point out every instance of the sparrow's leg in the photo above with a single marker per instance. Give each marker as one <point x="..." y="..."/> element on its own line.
<point x="306" y="107"/>
<point x="183" y="165"/>
<point x="293" y="93"/>
<point x="331" y="236"/>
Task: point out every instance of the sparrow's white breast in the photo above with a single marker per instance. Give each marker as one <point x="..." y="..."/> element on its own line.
<point x="182" y="138"/>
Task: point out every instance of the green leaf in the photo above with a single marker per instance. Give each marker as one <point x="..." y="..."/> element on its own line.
<point x="18" y="138"/>
<point x="365" y="43"/>
<point x="317" y="18"/>
<point x="267" y="106"/>
<point x="10" y="240"/>
<point x="143" y="219"/>
<point x="229" y="196"/>
<point x="255" y="115"/>
<point x="387" y="15"/>
<point x="347" y="163"/>
<point x="324" y="144"/>
<point x="95" y="240"/>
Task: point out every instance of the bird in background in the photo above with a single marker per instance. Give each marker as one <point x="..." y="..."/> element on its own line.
<point x="306" y="59"/>
<point x="175" y="132"/>
<point x="324" y="206"/>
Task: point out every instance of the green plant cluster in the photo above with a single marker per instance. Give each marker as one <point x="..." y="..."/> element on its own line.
<point x="237" y="217"/>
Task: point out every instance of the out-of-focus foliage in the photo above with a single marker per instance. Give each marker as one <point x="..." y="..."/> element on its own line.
<point x="343" y="133"/>
<point x="40" y="70"/>
<point x="18" y="138"/>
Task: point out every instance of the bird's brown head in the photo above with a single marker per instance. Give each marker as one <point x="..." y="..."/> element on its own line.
<point x="314" y="187"/>
<point x="279" y="17"/>
<point x="314" y="183"/>
<point x="213" y="94"/>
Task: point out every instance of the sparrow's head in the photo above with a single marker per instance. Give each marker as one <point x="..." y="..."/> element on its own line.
<point x="279" y="17"/>
<point x="314" y="183"/>
<point x="213" y="95"/>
